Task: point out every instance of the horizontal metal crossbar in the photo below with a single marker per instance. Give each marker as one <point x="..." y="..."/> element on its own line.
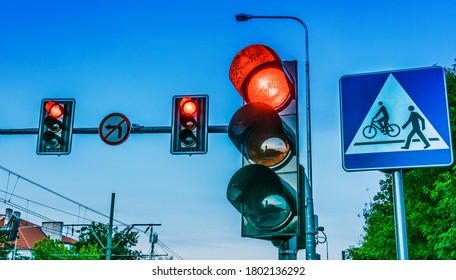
<point x="135" y="129"/>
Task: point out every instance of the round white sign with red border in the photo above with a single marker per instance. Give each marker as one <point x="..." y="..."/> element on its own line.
<point x="114" y="129"/>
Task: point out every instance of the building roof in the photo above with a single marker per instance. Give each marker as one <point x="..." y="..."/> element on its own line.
<point x="29" y="233"/>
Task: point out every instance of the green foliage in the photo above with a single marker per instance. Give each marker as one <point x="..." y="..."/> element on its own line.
<point x="379" y="239"/>
<point x="88" y="246"/>
<point x="440" y="211"/>
<point x="430" y="203"/>
<point x="89" y="252"/>
<point x="5" y="246"/>
<point x="52" y="249"/>
<point x="49" y="249"/>
<point x="123" y="241"/>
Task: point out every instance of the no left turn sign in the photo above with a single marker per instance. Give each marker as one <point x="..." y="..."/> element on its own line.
<point x="114" y="129"/>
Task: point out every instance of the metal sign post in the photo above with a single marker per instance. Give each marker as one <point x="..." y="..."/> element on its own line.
<point x="399" y="216"/>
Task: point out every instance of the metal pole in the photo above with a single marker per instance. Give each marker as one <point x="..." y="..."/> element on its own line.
<point x="289" y="250"/>
<point x="135" y="129"/>
<point x="152" y="243"/>
<point x="399" y="216"/>
<point x="327" y="245"/>
<point x="311" y="230"/>
<point x="111" y="217"/>
<point x="15" y="246"/>
<point x="310" y="222"/>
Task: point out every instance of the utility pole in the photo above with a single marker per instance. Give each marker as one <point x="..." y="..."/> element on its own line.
<point x="111" y="217"/>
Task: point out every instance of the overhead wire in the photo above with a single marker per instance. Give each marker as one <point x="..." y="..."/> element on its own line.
<point x="57" y="194"/>
<point x="40" y="204"/>
<point x="43" y="217"/>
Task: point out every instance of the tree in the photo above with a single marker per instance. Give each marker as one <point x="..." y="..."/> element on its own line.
<point x="430" y="203"/>
<point x="88" y="252"/>
<point x="5" y="246"/>
<point x="88" y="246"/>
<point x="378" y="241"/>
<point x="53" y="249"/>
<point x="50" y="249"/>
<point x="122" y="242"/>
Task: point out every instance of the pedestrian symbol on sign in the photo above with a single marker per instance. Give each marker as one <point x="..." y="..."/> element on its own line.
<point x="415" y="120"/>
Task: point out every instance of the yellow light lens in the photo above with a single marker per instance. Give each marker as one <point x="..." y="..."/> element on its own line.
<point x="267" y="149"/>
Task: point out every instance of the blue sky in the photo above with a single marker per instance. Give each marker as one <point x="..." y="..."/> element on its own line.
<point x="132" y="57"/>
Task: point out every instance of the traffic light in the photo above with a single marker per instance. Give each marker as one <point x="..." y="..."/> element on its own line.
<point x="267" y="190"/>
<point x="14" y="226"/>
<point x="11" y="224"/>
<point x="56" y="126"/>
<point x="189" y="125"/>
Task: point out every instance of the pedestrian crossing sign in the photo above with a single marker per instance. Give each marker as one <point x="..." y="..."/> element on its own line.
<point x="395" y="120"/>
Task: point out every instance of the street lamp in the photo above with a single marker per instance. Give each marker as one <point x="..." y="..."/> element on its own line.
<point x="310" y="221"/>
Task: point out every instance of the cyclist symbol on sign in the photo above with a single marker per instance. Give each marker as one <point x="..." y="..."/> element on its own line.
<point x="381" y="124"/>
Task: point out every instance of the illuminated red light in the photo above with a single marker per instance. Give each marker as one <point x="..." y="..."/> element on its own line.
<point x="270" y="86"/>
<point x="188" y="106"/>
<point x="54" y="109"/>
<point x="256" y="73"/>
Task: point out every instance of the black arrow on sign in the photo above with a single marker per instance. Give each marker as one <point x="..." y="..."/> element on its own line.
<point x="114" y="127"/>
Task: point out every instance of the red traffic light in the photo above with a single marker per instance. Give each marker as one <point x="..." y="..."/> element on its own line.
<point x="188" y="110"/>
<point x="56" y="126"/>
<point x="267" y="190"/>
<point x="188" y="106"/>
<point x="189" y="124"/>
<point x="256" y="73"/>
<point x="54" y="109"/>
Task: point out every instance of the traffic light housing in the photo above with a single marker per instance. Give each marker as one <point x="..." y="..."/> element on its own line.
<point x="56" y="126"/>
<point x="15" y="222"/>
<point x="268" y="189"/>
<point x="11" y="224"/>
<point x="189" y="124"/>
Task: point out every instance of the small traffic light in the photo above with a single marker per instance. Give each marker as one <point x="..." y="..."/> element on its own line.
<point x="189" y="125"/>
<point x="267" y="190"/>
<point x="56" y="126"/>
<point x="14" y="226"/>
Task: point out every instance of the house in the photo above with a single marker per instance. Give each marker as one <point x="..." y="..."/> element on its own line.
<point x="28" y="233"/>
